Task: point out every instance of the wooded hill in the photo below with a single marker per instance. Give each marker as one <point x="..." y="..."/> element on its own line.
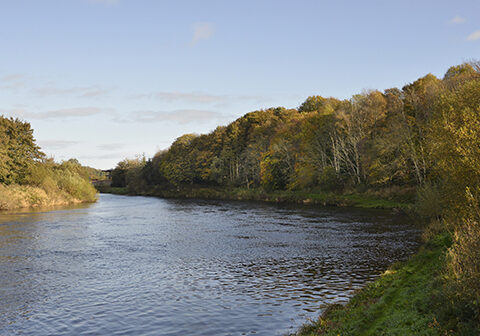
<point x="376" y="139"/>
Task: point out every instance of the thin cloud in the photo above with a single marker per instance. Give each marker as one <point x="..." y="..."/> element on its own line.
<point x="20" y="81"/>
<point x="56" y="114"/>
<point x="12" y="81"/>
<point x="95" y="92"/>
<point x="13" y="77"/>
<point x="82" y="92"/>
<point x="56" y="144"/>
<point x="201" y="31"/>
<point x="110" y="146"/>
<point x="187" y="97"/>
<point x="198" y="98"/>
<point x="474" y="36"/>
<point x="105" y="156"/>
<point x="69" y="113"/>
<point x="457" y="20"/>
<point x="184" y="116"/>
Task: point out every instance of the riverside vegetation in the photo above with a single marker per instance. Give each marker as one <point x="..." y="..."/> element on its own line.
<point x="29" y="179"/>
<point x="419" y="145"/>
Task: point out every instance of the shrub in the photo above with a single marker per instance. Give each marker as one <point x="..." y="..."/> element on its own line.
<point x="429" y="201"/>
<point x="329" y="179"/>
<point x="464" y="256"/>
<point x="76" y="186"/>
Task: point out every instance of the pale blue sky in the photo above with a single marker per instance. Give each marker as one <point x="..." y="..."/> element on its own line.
<point x="101" y="80"/>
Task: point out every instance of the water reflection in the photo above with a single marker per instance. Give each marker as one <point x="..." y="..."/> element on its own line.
<point x="146" y="266"/>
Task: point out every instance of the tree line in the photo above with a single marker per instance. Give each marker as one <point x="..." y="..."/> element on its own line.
<point x="374" y="139"/>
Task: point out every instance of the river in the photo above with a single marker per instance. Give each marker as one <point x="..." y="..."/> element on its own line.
<point x="149" y="266"/>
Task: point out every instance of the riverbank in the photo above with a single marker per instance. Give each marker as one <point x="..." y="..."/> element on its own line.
<point x="16" y="196"/>
<point x="408" y="299"/>
<point x="358" y="200"/>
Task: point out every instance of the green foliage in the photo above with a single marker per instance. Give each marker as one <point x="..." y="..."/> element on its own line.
<point x="455" y="146"/>
<point x="29" y="179"/>
<point x="69" y="178"/>
<point x="274" y="172"/>
<point x="179" y="164"/>
<point x="464" y="257"/>
<point x="329" y="180"/>
<point x="464" y="70"/>
<point x="18" y="150"/>
<point x="313" y="103"/>
<point x="305" y="176"/>
<point x="135" y="174"/>
<point x="75" y="185"/>
<point x="429" y="202"/>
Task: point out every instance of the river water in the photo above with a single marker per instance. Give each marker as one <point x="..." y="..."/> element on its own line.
<point x="149" y="266"/>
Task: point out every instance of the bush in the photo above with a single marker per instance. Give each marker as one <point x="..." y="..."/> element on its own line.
<point x="305" y="176"/>
<point x="329" y="180"/>
<point x="429" y="201"/>
<point x="76" y="186"/>
<point x="68" y="181"/>
<point x="464" y="257"/>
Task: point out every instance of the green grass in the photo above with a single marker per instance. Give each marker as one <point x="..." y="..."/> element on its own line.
<point x="366" y="201"/>
<point x="405" y="300"/>
<point x="257" y="194"/>
<point x="111" y="190"/>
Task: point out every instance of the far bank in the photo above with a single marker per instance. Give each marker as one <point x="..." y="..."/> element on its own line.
<point x="367" y="200"/>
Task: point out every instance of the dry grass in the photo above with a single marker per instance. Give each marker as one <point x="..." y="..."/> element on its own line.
<point x="16" y="196"/>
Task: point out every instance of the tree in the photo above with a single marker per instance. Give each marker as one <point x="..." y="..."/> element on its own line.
<point x="18" y="150"/>
<point x="177" y="166"/>
<point x="419" y="105"/>
<point x="312" y="103"/>
<point x="357" y="121"/>
<point x="455" y="147"/>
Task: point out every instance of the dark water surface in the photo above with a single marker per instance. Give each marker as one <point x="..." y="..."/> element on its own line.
<point x="148" y="266"/>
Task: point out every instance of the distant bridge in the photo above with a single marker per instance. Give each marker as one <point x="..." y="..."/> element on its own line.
<point x="107" y="180"/>
<point x="108" y="173"/>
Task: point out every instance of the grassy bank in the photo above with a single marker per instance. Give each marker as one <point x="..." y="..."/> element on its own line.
<point x="106" y="189"/>
<point x="16" y="196"/>
<point x="360" y="200"/>
<point x="408" y="299"/>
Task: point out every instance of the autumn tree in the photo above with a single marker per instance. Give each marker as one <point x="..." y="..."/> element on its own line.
<point x="455" y="146"/>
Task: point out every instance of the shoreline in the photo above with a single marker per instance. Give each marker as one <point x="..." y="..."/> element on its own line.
<point x="404" y="300"/>
<point x="356" y="200"/>
<point x="49" y="205"/>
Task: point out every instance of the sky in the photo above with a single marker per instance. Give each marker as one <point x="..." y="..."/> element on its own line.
<point x="105" y="80"/>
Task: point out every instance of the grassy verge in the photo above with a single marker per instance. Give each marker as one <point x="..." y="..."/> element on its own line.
<point x="363" y="200"/>
<point x="406" y="300"/>
<point x="16" y="196"/>
<point x="111" y="190"/>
